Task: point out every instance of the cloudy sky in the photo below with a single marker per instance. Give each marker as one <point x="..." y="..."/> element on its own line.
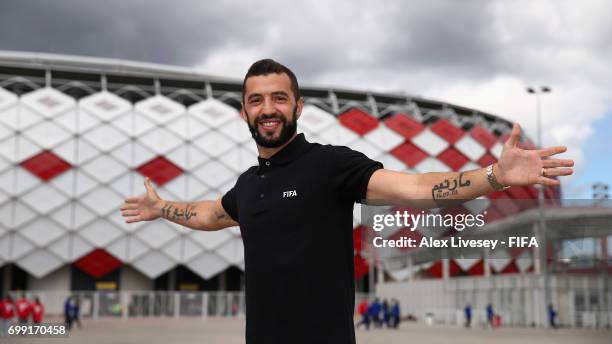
<point x="479" y="54"/>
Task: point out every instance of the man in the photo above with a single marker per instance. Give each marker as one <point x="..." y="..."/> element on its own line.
<point x="295" y="211"/>
<point x="38" y="311"/>
<point x="552" y="316"/>
<point x="490" y="315"/>
<point x="23" y="309"/>
<point x="467" y="311"/>
<point x="69" y="312"/>
<point x="7" y="310"/>
<point x="363" y="311"/>
<point x="396" y="313"/>
<point x="374" y="312"/>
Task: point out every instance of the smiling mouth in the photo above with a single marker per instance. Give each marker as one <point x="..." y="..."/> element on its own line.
<point x="269" y="124"/>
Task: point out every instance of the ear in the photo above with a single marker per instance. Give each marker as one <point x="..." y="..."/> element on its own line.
<point x="300" y="105"/>
<point x="242" y="113"/>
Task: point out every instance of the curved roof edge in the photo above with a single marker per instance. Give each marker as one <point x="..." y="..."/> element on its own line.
<point x="137" y="68"/>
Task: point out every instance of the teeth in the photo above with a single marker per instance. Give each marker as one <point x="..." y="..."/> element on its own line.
<point x="269" y="124"/>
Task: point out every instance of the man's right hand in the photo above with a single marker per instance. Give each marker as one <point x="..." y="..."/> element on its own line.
<point x="142" y="208"/>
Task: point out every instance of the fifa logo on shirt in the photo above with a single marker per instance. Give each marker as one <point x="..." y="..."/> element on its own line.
<point x="291" y="193"/>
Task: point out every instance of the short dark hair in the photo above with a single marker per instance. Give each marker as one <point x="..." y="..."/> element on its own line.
<point x="269" y="66"/>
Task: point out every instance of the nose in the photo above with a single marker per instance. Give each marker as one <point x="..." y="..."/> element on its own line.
<point x="268" y="106"/>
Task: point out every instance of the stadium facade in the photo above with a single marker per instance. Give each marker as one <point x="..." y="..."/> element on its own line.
<point x="78" y="134"/>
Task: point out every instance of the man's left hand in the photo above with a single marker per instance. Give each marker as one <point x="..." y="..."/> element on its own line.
<point x="517" y="166"/>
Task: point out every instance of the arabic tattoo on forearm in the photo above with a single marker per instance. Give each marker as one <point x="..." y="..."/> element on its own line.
<point x="448" y="188"/>
<point x="176" y="213"/>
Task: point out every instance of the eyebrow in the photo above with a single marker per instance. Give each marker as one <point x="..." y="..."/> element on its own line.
<point x="275" y="93"/>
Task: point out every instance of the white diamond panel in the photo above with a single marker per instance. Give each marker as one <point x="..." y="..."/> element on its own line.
<point x="77" y="122"/>
<point x="237" y="130"/>
<point x="156" y="234"/>
<point x="105" y="105"/>
<point x="214" y="174"/>
<point x="213" y="112"/>
<point x="210" y="239"/>
<point x="104" y="169"/>
<point x="470" y="148"/>
<point x="44" y="198"/>
<point x="214" y="144"/>
<point x="41" y="231"/>
<point x="337" y="134"/>
<point x="76" y="152"/>
<point x="153" y="264"/>
<point x="48" y="101"/>
<point x="105" y="138"/>
<point x="187" y="127"/>
<point x="314" y="120"/>
<point x="39" y="263"/>
<point x="384" y="138"/>
<point x="19" y="117"/>
<point x="159" y="109"/>
<point x="100" y="233"/>
<point x="160" y="141"/>
<point x="102" y="200"/>
<point x="207" y="265"/>
<point x="430" y="142"/>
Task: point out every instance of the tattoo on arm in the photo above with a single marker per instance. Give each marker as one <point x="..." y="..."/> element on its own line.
<point x="173" y="214"/>
<point x="449" y="188"/>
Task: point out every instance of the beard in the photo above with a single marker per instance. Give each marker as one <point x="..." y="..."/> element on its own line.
<point x="288" y="129"/>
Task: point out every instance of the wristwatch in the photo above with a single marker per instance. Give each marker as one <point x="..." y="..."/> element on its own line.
<point x="492" y="179"/>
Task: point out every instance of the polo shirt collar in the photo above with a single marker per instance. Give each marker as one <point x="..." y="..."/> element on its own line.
<point x="290" y="152"/>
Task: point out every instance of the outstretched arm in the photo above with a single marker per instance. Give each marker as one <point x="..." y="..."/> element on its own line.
<point x="515" y="167"/>
<point x="202" y="215"/>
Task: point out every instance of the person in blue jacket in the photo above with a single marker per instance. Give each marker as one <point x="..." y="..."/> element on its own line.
<point x="69" y="311"/>
<point x="490" y="315"/>
<point x="374" y="312"/>
<point x="468" y="315"/>
<point x="552" y="316"/>
<point x="395" y="314"/>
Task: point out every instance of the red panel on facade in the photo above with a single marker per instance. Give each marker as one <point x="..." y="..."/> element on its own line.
<point x="447" y="131"/>
<point x="436" y="269"/>
<point x="511" y="268"/>
<point x="358" y="121"/>
<point x="506" y="205"/>
<point x="410" y="154"/>
<point x="476" y="269"/>
<point x="160" y="170"/>
<point x="533" y="192"/>
<point x="453" y="158"/>
<point x="492" y="214"/>
<point x="361" y="267"/>
<point x="518" y="192"/>
<point x="357" y="239"/>
<point x="483" y="136"/>
<point x="98" y="263"/>
<point x="486" y="160"/>
<point x="404" y="125"/>
<point x="46" y="165"/>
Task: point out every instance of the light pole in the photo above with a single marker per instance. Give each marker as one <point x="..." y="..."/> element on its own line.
<point x="542" y="267"/>
<point x="538" y="92"/>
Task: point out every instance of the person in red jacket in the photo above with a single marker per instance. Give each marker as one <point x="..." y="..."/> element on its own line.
<point x="38" y="311"/>
<point x="363" y="311"/>
<point x="23" y="309"/>
<point x="7" y="311"/>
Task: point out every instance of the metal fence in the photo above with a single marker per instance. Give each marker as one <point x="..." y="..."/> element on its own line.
<point x="126" y="304"/>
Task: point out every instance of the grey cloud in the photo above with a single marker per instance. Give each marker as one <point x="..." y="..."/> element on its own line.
<point x="177" y="32"/>
<point x="446" y="40"/>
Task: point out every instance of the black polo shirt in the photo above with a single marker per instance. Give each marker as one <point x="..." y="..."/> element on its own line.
<point x="295" y="213"/>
